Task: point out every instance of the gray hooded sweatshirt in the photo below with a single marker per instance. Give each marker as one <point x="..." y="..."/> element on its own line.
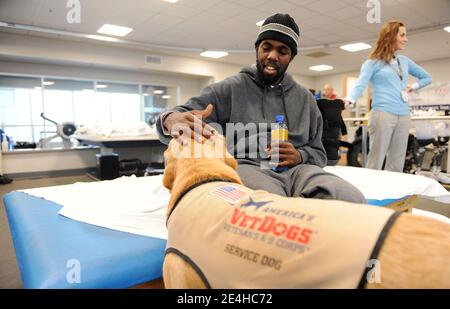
<point x="245" y="108"/>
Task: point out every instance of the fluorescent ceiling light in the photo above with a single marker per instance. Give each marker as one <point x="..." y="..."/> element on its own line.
<point x="145" y="94"/>
<point x="171" y="1"/>
<point x="114" y="30"/>
<point x="3" y="24"/>
<point x="447" y="28"/>
<point x="166" y="96"/>
<point x="158" y="92"/>
<point x="37" y="88"/>
<point x="99" y="86"/>
<point x="260" y="23"/>
<point x="214" y="54"/>
<point x="355" y="47"/>
<point x="48" y="83"/>
<point x="321" y="67"/>
<point x="102" y="38"/>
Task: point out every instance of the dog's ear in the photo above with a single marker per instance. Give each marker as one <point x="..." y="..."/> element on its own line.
<point x="170" y="162"/>
<point x="169" y="172"/>
<point x="230" y="160"/>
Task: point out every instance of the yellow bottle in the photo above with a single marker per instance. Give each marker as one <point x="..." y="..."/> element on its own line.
<point x="280" y="130"/>
<point x="280" y="134"/>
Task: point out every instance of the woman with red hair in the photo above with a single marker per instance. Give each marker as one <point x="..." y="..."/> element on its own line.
<point x="390" y="119"/>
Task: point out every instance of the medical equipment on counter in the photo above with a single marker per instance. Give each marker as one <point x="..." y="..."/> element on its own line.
<point x="64" y="130"/>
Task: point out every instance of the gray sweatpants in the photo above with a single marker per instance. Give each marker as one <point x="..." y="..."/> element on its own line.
<point x="388" y="138"/>
<point x="303" y="180"/>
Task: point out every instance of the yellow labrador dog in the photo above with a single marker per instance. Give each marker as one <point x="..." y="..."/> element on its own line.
<point x="225" y="235"/>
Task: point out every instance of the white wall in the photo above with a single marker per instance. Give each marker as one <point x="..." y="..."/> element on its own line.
<point x="439" y="69"/>
<point x="16" y="162"/>
<point x="306" y="81"/>
<point x="336" y="81"/>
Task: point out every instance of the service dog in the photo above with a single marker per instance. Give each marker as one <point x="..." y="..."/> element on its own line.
<point x="222" y="234"/>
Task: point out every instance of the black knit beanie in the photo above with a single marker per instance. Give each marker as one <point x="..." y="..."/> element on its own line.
<point x="282" y="28"/>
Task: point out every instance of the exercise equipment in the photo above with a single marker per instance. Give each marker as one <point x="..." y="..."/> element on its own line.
<point x="64" y="130"/>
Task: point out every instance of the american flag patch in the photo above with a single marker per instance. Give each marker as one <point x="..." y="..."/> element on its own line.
<point x="228" y="193"/>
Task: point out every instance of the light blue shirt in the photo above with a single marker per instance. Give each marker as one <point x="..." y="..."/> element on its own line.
<point x="386" y="84"/>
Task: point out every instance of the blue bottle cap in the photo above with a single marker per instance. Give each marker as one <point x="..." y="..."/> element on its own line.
<point x="279" y="118"/>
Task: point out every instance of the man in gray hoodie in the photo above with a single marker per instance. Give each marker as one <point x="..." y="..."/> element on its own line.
<point x="244" y="106"/>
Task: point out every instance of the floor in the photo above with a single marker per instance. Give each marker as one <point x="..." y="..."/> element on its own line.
<point x="9" y="272"/>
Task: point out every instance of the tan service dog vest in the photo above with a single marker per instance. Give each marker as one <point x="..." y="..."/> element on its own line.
<point x="235" y="237"/>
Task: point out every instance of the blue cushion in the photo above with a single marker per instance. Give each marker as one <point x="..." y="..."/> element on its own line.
<point x="382" y="202"/>
<point x="47" y="245"/>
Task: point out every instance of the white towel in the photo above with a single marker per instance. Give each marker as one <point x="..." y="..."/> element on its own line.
<point x="130" y="204"/>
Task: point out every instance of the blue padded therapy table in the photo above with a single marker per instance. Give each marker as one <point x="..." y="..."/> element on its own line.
<point x="49" y="246"/>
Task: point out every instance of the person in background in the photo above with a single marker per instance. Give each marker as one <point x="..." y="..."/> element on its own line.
<point x="388" y="73"/>
<point x="328" y="92"/>
<point x="333" y="127"/>
<point x="254" y="97"/>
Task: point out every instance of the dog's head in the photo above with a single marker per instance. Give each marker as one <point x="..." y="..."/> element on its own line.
<point x="181" y="156"/>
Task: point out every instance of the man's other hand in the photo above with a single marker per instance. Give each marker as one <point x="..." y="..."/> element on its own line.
<point x="284" y="154"/>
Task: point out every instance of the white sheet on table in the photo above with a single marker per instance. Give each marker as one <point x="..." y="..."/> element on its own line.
<point x="130" y="204"/>
<point x="118" y="129"/>
<point x="138" y="204"/>
<point x="380" y="185"/>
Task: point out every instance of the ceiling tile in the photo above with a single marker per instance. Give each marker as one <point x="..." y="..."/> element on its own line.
<point x="18" y="11"/>
<point x="348" y="12"/>
<point x="253" y="4"/>
<point x="199" y="4"/>
<point x="166" y="19"/>
<point x="385" y="4"/>
<point x="300" y="14"/>
<point x="225" y="8"/>
<point x="189" y="26"/>
<point x="51" y="13"/>
<point x="251" y="17"/>
<point x="145" y="5"/>
<point x="235" y="24"/>
<point x="318" y="22"/>
<point x="438" y="12"/>
<point x="324" y="6"/>
<point x="122" y="18"/>
<point x="301" y="3"/>
<point x="330" y="39"/>
<point x="183" y="11"/>
<point x="283" y="6"/>
<point x="359" y="3"/>
<point x="208" y="18"/>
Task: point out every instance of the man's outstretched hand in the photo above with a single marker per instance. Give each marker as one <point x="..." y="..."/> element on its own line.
<point x="182" y="126"/>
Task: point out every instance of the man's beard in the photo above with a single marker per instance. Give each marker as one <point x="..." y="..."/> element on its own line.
<point x="269" y="80"/>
